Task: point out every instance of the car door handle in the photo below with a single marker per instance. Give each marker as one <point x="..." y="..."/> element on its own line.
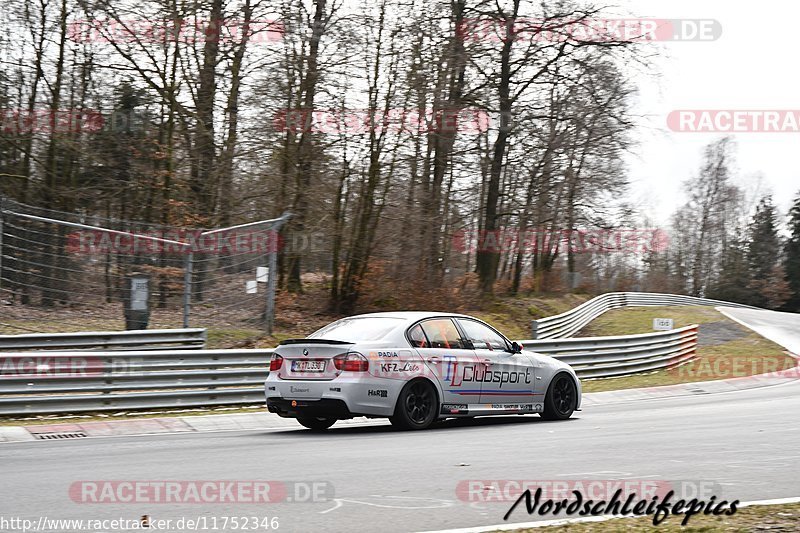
<point x="433" y="359"/>
<point x="487" y="361"/>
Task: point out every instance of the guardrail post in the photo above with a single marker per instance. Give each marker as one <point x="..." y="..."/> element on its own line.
<point x="534" y="327"/>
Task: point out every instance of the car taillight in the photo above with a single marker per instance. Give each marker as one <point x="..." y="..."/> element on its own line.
<point x="275" y="363"/>
<point x="351" y="362"/>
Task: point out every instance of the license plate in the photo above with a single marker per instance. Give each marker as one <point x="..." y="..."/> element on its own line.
<point x="308" y="366"/>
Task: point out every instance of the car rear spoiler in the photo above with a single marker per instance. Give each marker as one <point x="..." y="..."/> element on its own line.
<point x="312" y="341"/>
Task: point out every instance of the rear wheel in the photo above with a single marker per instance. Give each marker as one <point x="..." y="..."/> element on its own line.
<point x="417" y="406"/>
<point x="561" y="398"/>
<point x="317" y="423"/>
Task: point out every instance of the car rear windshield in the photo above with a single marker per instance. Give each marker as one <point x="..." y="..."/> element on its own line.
<point x="357" y="329"/>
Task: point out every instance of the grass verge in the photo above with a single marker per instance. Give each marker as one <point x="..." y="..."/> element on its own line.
<point x="633" y="320"/>
<point x="513" y="315"/>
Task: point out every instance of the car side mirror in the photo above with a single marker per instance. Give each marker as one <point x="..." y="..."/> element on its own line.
<point x="516" y="347"/>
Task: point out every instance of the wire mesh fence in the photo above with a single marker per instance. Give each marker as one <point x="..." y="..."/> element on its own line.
<point x="70" y="271"/>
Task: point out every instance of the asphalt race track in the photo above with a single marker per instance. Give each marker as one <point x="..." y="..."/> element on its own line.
<point x="746" y="442"/>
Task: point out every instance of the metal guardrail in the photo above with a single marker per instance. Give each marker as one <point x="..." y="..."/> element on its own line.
<point x="596" y="357"/>
<point x="569" y="323"/>
<point x="152" y="339"/>
<point x="67" y="382"/>
<point x="64" y="382"/>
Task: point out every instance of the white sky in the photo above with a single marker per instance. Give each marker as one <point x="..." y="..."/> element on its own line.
<point x="751" y="66"/>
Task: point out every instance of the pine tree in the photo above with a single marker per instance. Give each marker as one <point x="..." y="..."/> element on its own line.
<point x="733" y="282"/>
<point x="763" y="253"/>
<point x="791" y="262"/>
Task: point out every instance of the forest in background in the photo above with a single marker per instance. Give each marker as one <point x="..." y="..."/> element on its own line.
<point x="431" y="149"/>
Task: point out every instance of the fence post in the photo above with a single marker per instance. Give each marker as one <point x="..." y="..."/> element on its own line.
<point x="187" y="287"/>
<point x="272" y="265"/>
<point x="269" y="313"/>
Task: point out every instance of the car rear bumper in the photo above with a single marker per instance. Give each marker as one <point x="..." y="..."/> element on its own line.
<point x="326" y="408"/>
<point x="344" y="397"/>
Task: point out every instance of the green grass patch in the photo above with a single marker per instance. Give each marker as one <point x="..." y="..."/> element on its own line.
<point x="47" y="325"/>
<point x="220" y="338"/>
<point x="632" y="320"/>
<point x="756" y="518"/>
<point x="513" y="315"/>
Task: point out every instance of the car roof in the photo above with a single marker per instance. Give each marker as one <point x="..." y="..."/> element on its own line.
<point x="409" y="316"/>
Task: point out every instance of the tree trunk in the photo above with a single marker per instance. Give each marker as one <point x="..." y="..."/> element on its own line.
<point x="487" y="259"/>
<point x="305" y="148"/>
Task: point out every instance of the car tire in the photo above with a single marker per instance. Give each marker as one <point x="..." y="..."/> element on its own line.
<point x="316" y="423"/>
<point x="561" y="398"/>
<point x="417" y="406"/>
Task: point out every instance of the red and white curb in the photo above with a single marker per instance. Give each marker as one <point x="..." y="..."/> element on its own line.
<point x="154" y="426"/>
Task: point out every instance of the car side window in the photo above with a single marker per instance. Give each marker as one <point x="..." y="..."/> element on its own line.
<point x="442" y="333"/>
<point x="417" y="337"/>
<point x="482" y="336"/>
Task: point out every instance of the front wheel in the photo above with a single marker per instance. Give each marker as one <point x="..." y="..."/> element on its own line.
<point x="561" y="398"/>
<point x="417" y="406"/>
<point x="317" y="423"/>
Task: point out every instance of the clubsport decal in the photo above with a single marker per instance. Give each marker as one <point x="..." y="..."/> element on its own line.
<point x="450" y="371"/>
<point x="478" y="373"/>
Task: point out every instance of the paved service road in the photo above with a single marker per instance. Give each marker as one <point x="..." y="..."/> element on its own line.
<point x="745" y="442"/>
<point x="780" y="328"/>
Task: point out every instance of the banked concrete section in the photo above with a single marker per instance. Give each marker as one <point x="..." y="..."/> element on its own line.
<point x="781" y="328"/>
